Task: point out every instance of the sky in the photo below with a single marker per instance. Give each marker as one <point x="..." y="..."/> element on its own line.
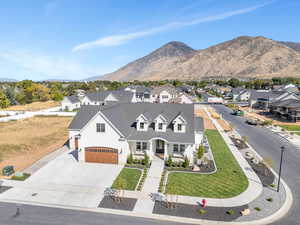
<point x="77" y="39"/>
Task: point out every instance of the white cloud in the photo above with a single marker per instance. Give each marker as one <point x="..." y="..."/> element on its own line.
<point x="115" y="40"/>
<point x="47" y="66"/>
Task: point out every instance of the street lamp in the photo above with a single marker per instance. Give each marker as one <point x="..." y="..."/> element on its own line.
<point x="282" y="150"/>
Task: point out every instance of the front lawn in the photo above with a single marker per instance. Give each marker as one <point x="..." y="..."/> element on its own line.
<point x="127" y="179"/>
<point x="228" y="181"/>
<point x="291" y="127"/>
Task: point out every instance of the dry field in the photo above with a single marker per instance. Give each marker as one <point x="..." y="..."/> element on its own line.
<point x="218" y="118"/>
<point x="25" y="141"/>
<point x="35" y="106"/>
<point x="207" y="122"/>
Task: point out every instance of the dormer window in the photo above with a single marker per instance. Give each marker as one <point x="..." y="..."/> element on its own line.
<point x="179" y="127"/>
<point x="160" y="123"/>
<point x="179" y="124"/>
<point x="142" y="123"/>
<point x="160" y="126"/>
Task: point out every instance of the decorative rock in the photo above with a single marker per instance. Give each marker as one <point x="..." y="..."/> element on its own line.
<point x="245" y="212"/>
<point x="196" y="168"/>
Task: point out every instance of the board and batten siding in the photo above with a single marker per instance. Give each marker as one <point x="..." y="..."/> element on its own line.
<point x="90" y="138"/>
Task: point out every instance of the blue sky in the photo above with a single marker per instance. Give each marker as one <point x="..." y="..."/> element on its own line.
<point x="73" y="39"/>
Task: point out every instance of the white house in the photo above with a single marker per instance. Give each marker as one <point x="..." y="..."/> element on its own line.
<point x="109" y="133"/>
<point x="163" y="94"/>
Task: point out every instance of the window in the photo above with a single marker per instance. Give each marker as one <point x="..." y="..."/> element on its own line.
<point x="160" y="126"/>
<point x="175" y="147"/>
<point x="142" y="126"/>
<point x="100" y="127"/>
<point x="141" y="146"/>
<point x="165" y="96"/>
<point x="178" y="148"/>
<point x="182" y="148"/>
<point x="179" y="127"/>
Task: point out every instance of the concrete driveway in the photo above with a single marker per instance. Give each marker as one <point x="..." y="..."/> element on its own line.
<point x="64" y="181"/>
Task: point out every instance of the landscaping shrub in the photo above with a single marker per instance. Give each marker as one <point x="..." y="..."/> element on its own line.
<point x="272" y="185"/>
<point x="269" y="199"/>
<point x="202" y="211"/>
<point x="21" y="178"/>
<point x="230" y="212"/>
<point x="200" y="151"/>
<point x="169" y="161"/>
<point x="146" y="160"/>
<point x="257" y="209"/>
<point x="130" y="159"/>
<point x="186" y="163"/>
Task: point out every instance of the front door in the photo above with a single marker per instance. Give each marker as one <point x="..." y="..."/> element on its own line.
<point x="76" y="143"/>
<point x="160" y="146"/>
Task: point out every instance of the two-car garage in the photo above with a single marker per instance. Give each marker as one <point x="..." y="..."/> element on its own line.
<point x="101" y="155"/>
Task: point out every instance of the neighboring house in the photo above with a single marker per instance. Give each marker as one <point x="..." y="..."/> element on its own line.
<point x="102" y="97"/>
<point x="286" y="109"/>
<point x="262" y="98"/>
<point x="240" y="94"/>
<point x="182" y="99"/>
<point x="70" y="103"/>
<point x="291" y="88"/>
<point x="142" y="93"/>
<point x="208" y="98"/>
<point x="109" y="133"/>
<point x="186" y="88"/>
<point x="163" y="94"/>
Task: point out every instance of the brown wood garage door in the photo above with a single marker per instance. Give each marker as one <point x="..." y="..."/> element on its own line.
<point x="101" y="155"/>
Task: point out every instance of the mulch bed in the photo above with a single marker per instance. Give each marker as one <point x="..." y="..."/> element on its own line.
<point x="125" y="204"/>
<point x="264" y="173"/>
<point x="4" y="188"/>
<point x="210" y="167"/>
<point x="239" y="143"/>
<point x="192" y="211"/>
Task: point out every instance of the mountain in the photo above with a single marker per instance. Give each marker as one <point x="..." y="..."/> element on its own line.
<point x="242" y="57"/>
<point x="293" y="45"/>
<point x="5" y="79"/>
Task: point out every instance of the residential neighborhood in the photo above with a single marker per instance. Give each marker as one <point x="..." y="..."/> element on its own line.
<point x="150" y="112"/>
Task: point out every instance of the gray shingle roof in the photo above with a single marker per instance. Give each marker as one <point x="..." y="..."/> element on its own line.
<point x="122" y="96"/>
<point x="123" y="117"/>
<point x="73" y="98"/>
<point x="268" y="95"/>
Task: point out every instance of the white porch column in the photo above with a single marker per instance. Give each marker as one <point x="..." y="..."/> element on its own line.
<point x="151" y="152"/>
<point x="166" y="151"/>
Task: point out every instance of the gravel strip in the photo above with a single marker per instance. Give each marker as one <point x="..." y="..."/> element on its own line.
<point x="125" y="204"/>
<point x="192" y="211"/>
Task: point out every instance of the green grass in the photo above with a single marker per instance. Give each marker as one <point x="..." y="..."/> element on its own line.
<point x="228" y="181"/>
<point x="130" y="176"/>
<point x="291" y="127"/>
<point x="21" y="178"/>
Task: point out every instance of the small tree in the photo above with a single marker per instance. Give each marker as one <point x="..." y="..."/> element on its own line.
<point x="130" y="159"/>
<point x="146" y="160"/>
<point x="171" y="190"/>
<point x="186" y="162"/>
<point x="200" y="151"/>
<point x="120" y="185"/>
<point x="169" y="161"/>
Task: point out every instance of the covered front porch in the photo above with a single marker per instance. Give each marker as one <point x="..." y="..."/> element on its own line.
<point x="161" y="148"/>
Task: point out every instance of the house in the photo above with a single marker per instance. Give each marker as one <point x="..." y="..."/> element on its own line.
<point x="286" y="109"/>
<point x="186" y="88"/>
<point x="208" y="98"/>
<point x="142" y="93"/>
<point x="73" y="102"/>
<point x="163" y="94"/>
<point x="102" y="97"/>
<point x="240" y="94"/>
<point x="291" y="88"/>
<point x="262" y="98"/>
<point x="182" y="99"/>
<point x="110" y="133"/>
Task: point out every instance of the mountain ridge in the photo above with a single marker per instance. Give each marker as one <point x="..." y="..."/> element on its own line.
<point x="243" y="57"/>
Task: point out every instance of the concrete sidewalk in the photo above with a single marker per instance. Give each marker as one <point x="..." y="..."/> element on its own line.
<point x="145" y="203"/>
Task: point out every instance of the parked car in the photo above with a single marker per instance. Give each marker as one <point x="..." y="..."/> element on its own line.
<point x="252" y="122"/>
<point x="8" y="170"/>
<point x="238" y="112"/>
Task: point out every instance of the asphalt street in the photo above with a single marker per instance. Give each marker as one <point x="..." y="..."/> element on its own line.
<point x="268" y="144"/>
<point x="36" y="215"/>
